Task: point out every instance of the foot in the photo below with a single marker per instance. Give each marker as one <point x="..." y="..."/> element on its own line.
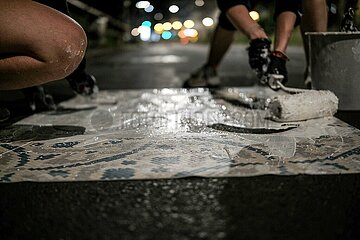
<point x="277" y="71"/>
<point x="259" y="55"/>
<point x="204" y="77"/>
<point x="38" y="99"/>
<point x="83" y="84"/>
<point x="4" y="114"/>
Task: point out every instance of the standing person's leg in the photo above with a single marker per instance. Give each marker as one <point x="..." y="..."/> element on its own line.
<point x="221" y="41"/>
<point x="315" y="16"/>
<point x="41" y="45"/>
<point x="220" y="44"/>
<point x="315" y="19"/>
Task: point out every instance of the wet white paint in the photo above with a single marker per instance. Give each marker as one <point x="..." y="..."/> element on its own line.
<point x="303" y="106"/>
<point x="165" y="133"/>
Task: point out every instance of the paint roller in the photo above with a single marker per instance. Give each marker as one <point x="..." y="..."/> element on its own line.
<point x="301" y="104"/>
<point x="296" y="105"/>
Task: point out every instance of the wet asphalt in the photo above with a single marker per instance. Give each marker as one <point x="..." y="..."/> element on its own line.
<point x="266" y="207"/>
<point x="263" y="207"/>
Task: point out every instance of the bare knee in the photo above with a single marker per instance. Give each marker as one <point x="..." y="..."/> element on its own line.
<point x="42" y="46"/>
<point x="66" y="54"/>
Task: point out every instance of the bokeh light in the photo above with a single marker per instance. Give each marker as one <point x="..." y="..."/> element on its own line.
<point x="189" y="23"/>
<point x="181" y="34"/>
<point x="145" y="33"/>
<point x="142" y="4"/>
<point x="146" y="23"/>
<point x="199" y="3"/>
<point x="158" y="16"/>
<point x="194" y="39"/>
<point x="166" y="35"/>
<point x="190" y="32"/>
<point x="159" y="28"/>
<point x="184" y="40"/>
<point x="177" y="25"/>
<point x="208" y="22"/>
<point x="173" y="9"/>
<point x="149" y="9"/>
<point x="140" y="29"/>
<point x="155" y="37"/>
<point x="254" y="15"/>
<point x="167" y="26"/>
<point x="135" y="32"/>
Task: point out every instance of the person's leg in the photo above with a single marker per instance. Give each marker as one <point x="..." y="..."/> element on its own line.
<point x="222" y="39"/>
<point x="221" y="42"/>
<point x="315" y="16"/>
<point x="234" y="15"/>
<point x="315" y="19"/>
<point x="37" y="44"/>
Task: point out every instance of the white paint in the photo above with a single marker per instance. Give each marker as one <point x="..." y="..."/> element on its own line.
<point x="303" y="106"/>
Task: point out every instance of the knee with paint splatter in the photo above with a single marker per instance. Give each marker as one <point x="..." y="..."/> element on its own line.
<point x="69" y="52"/>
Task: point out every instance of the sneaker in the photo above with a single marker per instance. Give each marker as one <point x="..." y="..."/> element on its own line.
<point x="4" y="114"/>
<point x="206" y="76"/>
<point x="277" y="70"/>
<point x="83" y="84"/>
<point x="259" y="52"/>
<point x="38" y="99"/>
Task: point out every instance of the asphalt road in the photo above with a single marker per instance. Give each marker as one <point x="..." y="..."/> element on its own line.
<point x="168" y="65"/>
<point x="265" y="207"/>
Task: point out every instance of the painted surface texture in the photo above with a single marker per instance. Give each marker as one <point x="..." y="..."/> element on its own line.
<point x="171" y="133"/>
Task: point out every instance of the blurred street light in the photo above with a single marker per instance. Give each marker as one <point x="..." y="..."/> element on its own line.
<point x="158" y="16"/>
<point x="145" y="33"/>
<point x="190" y="32"/>
<point x="159" y="28"/>
<point x="189" y="23"/>
<point x="254" y="15"/>
<point x="208" y="22"/>
<point x="199" y="3"/>
<point x="149" y="9"/>
<point x="142" y="4"/>
<point x="146" y="23"/>
<point x="173" y="9"/>
<point x="177" y="25"/>
<point x="166" y="35"/>
<point x="135" y="32"/>
<point x="167" y="26"/>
